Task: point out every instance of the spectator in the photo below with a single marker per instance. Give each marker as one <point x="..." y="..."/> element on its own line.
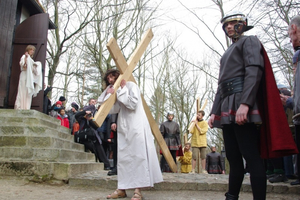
<point x="85" y="120"/>
<point x="92" y="101"/>
<point x="30" y="81"/>
<point x="104" y="132"/>
<point x="114" y="139"/>
<point x="75" y="127"/>
<point x="278" y="168"/>
<point x="214" y="162"/>
<point x="199" y="141"/>
<point x="71" y="115"/>
<point x="63" y="100"/>
<point x="186" y="159"/>
<point x="294" y="34"/>
<point x="63" y="118"/>
<point x="47" y="101"/>
<point x="56" y="107"/>
<point x="61" y="104"/>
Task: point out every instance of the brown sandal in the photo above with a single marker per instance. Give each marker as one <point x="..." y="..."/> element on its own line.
<point x="117" y="194"/>
<point x="137" y="196"/>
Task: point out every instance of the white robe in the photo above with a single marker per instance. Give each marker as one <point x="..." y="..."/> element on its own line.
<point x="138" y="164"/>
<point x="30" y="83"/>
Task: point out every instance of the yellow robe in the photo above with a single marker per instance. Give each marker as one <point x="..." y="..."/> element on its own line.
<point x="186" y="162"/>
<point x="199" y="138"/>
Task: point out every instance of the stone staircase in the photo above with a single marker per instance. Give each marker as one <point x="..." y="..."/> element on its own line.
<point x="35" y="144"/>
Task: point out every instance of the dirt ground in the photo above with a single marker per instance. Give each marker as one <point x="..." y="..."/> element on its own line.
<point x="12" y="188"/>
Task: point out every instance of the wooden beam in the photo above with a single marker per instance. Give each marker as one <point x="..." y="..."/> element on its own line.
<point x="108" y="104"/>
<point x="197" y="109"/>
<point x="122" y="66"/>
<point x="197" y="105"/>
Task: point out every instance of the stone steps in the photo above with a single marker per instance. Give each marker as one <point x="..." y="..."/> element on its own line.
<point x="39" y="142"/>
<point x="30" y="117"/>
<point x="44" y="154"/>
<point x="35" y="144"/>
<point x="56" y="170"/>
<point x="21" y="129"/>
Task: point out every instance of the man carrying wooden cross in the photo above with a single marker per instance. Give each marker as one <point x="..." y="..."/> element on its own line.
<point x="138" y="165"/>
<point x="199" y="141"/>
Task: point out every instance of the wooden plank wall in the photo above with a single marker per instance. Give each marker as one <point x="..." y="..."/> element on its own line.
<point x="33" y="31"/>
<point x="8" y="9"/>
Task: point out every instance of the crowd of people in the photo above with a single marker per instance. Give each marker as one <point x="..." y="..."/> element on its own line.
<point x="77" y="119"/>
<point x="245" y="107"/>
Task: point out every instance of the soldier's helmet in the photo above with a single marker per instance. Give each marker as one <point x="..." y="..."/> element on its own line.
<point x="241" y="20"/>
<point x="170" y="113"/>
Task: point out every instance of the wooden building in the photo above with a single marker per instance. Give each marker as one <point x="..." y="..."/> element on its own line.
<point x="23" y="22"/>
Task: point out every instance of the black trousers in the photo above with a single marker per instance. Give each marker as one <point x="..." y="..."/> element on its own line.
<point x="97" y="149"/>
<point x="243" y="142"/>
<point x="297" y="131"/>
<point x="163" y="163"/>
<point x="115" y="149"/>
<point x="105" y="146"/>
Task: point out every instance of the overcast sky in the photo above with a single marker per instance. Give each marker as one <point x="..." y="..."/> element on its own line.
<point x="206" y="10"/>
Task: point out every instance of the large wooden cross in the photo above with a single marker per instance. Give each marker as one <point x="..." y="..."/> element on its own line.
<point x="126" y="69"/>
<point x="192" y="125"/>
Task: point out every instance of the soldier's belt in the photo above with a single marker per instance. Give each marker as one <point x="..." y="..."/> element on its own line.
<point x="170" y="135"/>
<point x="231" y="86"/>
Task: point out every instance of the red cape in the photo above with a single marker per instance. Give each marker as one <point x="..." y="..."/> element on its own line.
<point x="276" y="137"/>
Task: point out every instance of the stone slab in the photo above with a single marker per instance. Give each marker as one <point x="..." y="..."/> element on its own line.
<point x="56" y="170"/>
<point x="181" y="182"/>
<point x="44" y="154"/>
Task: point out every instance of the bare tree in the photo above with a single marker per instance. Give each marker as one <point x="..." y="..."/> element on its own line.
<point x="70" y="18"/>
<point x="272" y="19"/>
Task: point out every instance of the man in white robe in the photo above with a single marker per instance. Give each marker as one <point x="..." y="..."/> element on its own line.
<point x="30" y="81"/>
<point x="137" y="165"/>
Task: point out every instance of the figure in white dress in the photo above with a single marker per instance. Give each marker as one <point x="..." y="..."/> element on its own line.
<point x="137" y="165"/>
<point x="30" y="82"/>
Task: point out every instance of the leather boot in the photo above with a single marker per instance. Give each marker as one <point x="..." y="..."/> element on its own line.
<point x="231" y="197"/>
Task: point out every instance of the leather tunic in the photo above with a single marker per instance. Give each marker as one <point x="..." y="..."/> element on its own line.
<point x="171" y="133"/>
<point x="244" y="59"/>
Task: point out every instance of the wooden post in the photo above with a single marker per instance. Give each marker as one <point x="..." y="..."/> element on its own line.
<point x="197" y="109"/>
<point x="126" y="73"/>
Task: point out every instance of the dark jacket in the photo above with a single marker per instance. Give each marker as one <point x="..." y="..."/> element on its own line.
<point x="296" y="96"/>
<point x="71" y="117"/>
<point x="83" y="122"/>
<point x="47" y="102"/>
<point x="214" y="163"/>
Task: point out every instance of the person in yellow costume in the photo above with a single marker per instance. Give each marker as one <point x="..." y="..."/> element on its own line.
<point x="199" y="142"/>
<point x="186" y="159"/>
